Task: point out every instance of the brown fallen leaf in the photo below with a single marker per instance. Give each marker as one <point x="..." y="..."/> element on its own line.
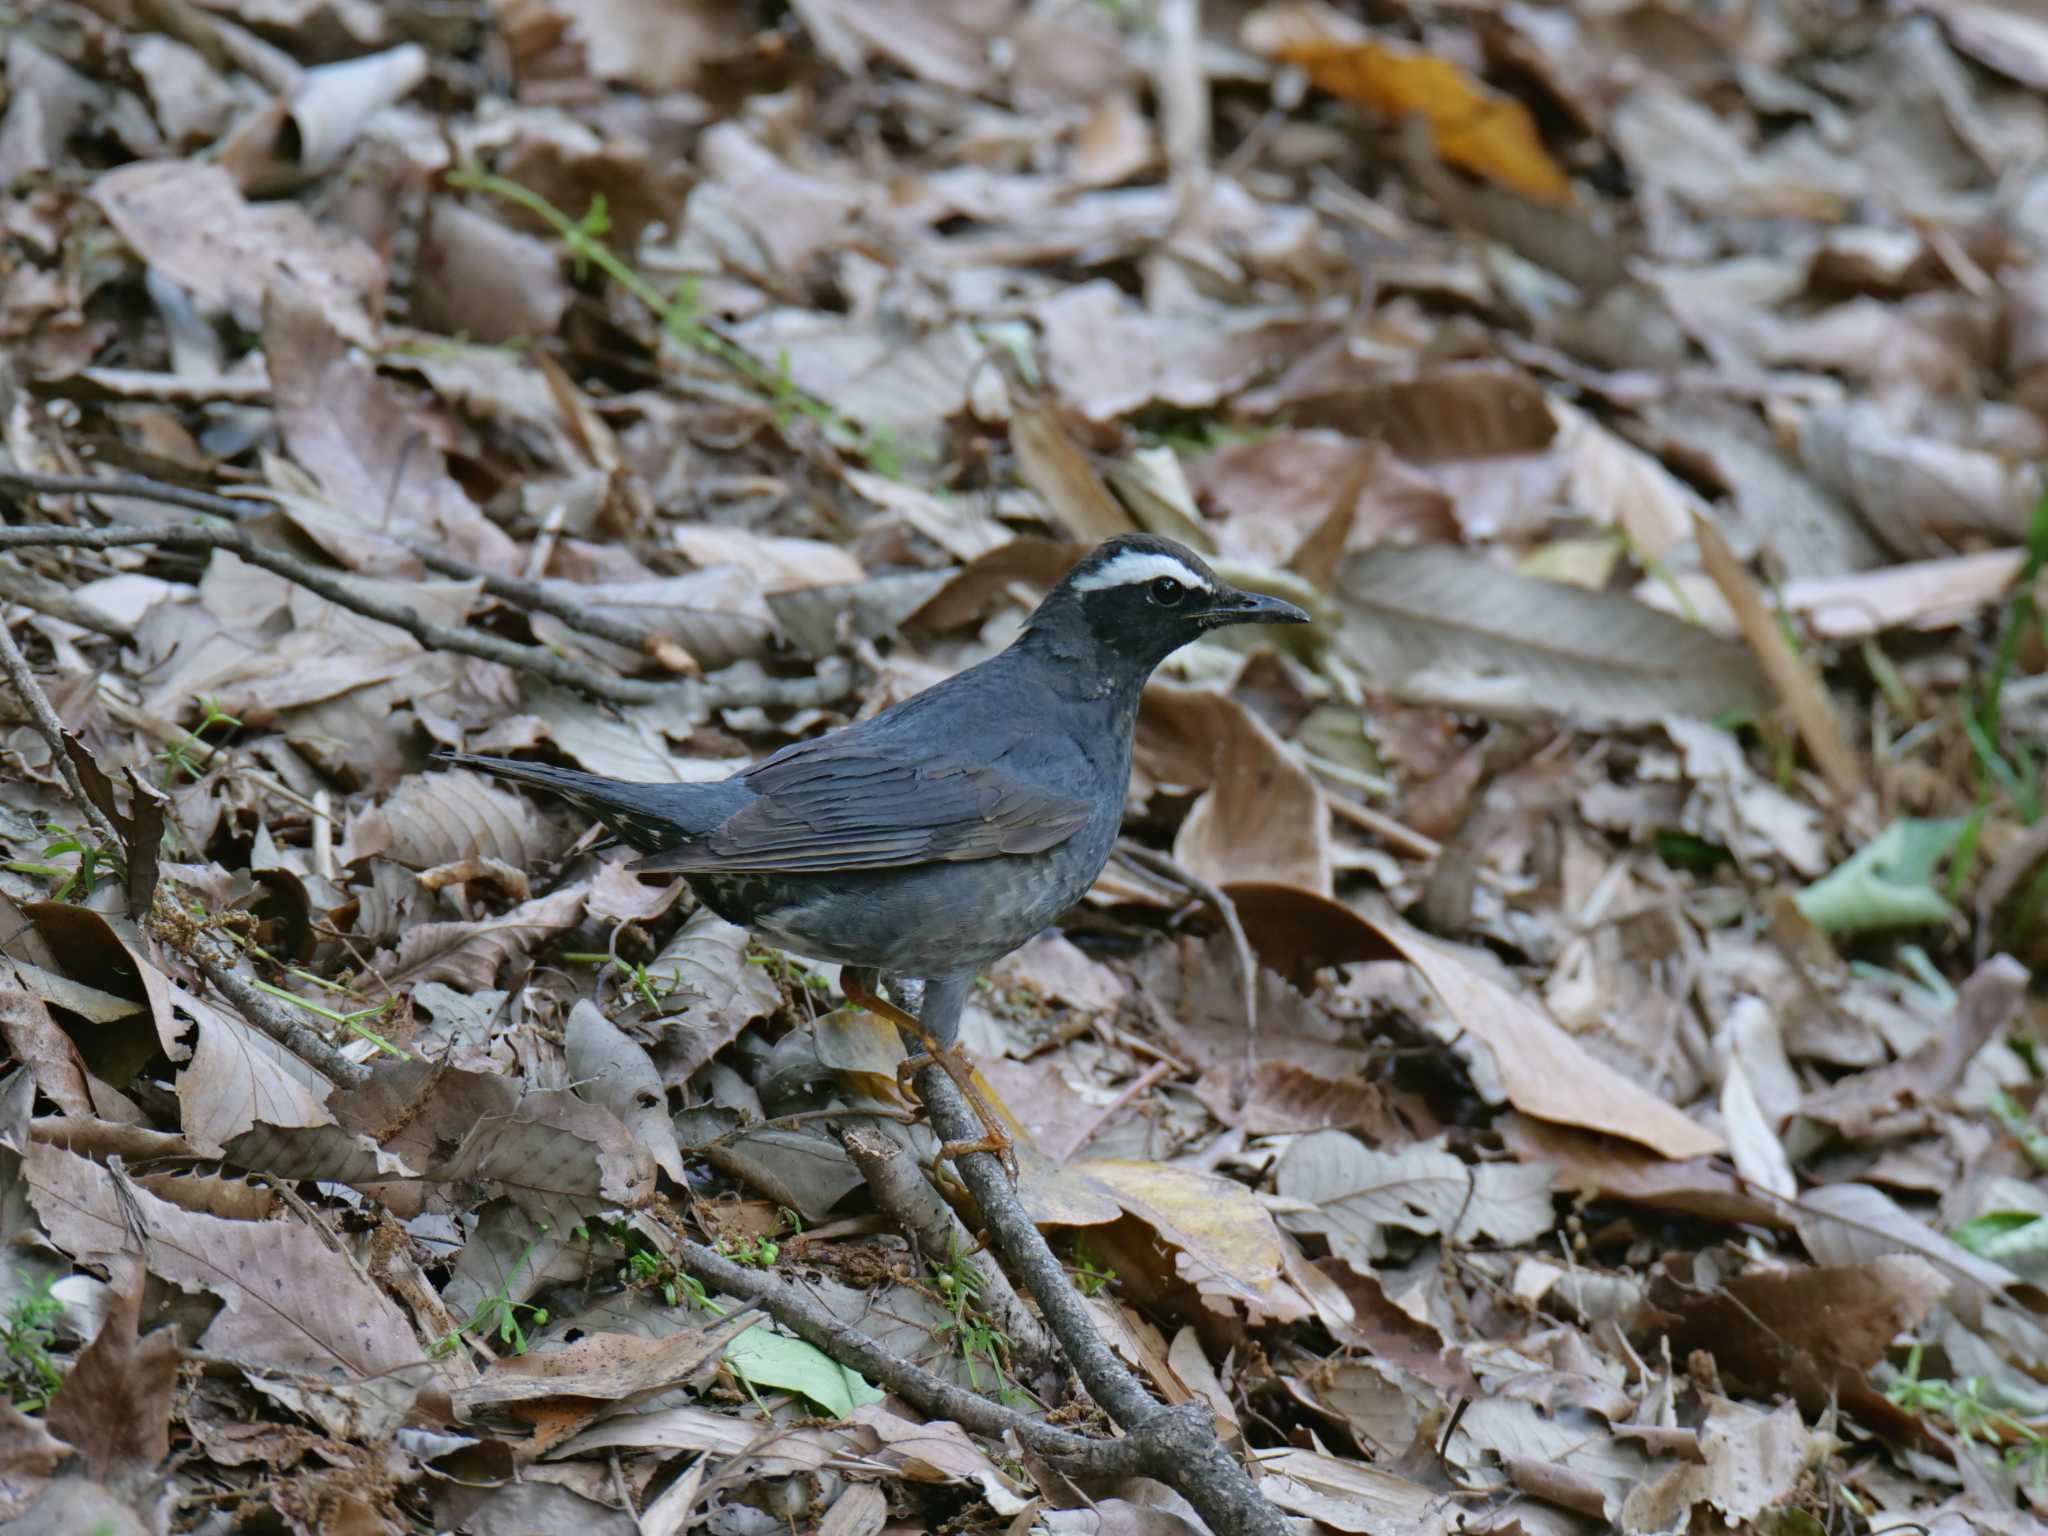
<point x="1544" y="1072"/>
<point x="1612" y="1169"/>
<point x="1987" y="1002"/>
<point x="1261" y="816"/>
<point x="1751" y="1462"/>
<point x="1284" y="1099"/>
<point x="362" y="441"/>
<point x="1475" y="126"/>
<point x="1812" y="1333"/>
<point x="1223" y="1242"/>
<point x="610" y="1068"/>
<point x="33" y="1038"/>
<point x="1052" y="463"/>
<point x="115" y="1405"/>
<point x="1798" y="684"/>
<point x="289" y="1300"/>
<point x="1435" y="624"/>
<point x="602" y="1367"/>
<point x="29" y="1456"/>
<point x="1449" y="416"/>
<point x="469" y="954"/>
<point x="189" y="221"/>
<point x="1352" y="1193"/>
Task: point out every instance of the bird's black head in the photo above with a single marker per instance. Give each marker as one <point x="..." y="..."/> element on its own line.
<point x="1139" y="598"/>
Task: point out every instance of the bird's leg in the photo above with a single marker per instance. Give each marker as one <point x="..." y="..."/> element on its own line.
<point x="862" y="988"/>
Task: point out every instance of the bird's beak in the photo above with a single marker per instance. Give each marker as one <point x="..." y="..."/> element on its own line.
<point x="1239" y="607"/>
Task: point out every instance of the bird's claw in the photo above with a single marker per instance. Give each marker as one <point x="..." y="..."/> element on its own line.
<point x="994" y="1139"/>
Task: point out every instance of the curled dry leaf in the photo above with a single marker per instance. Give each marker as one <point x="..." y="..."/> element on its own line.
<point x="469" y="954"/>
<point x="610" y="1068"/>
<point x="1261" y="816"/>
<point x="309" y="128"/>
<point x="443" y="818"/>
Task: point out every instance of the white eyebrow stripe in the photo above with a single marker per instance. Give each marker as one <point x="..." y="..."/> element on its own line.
<point x="1136" y="566"/>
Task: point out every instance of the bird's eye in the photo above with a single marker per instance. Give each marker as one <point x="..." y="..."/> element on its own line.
<point x="1166" y="592"/>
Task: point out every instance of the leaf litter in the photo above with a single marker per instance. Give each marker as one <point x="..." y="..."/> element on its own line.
<point x="1577" y="1065"/>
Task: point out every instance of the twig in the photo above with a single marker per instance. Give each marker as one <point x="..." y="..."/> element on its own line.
<point x="721" y="691"/>
<point x="534" y="595"/>
<point x="1116" y="1106"/>
<point x="1077" y="1455"/>
<point x="901" y="1189"/>
<point x="51" y="729"/>
<point x="1191" y="1461"/>
<point x="274" y="1020"/>
<point x="20" y="585"/>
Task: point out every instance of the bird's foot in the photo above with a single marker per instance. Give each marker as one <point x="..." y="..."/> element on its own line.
<point x="861" y="989"/>
<point x="994" y="1138"/>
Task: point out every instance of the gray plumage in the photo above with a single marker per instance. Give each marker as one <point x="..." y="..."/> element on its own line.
<point x="933" y="839"/>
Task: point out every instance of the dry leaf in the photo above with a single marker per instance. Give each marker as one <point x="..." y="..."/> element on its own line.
<point x="1544" y="1072"/>
<point x="1797" y="682"/>
<point x="189" y="222"/>
<point x="115" y="1405"/>
<point x="1474" y="126"/>
<point x="289" y="1299"/>
<point x="612" y="1069"/>
<point x="1355" y="1192"/>
<point x="1261" y="816"/>
<point x="469" y="955"/>
<point x="33" y="1039"/>
<point x="1435" y="625"/>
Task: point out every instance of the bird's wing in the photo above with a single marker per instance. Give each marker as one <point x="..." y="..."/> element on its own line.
<point x="843" y="808"/>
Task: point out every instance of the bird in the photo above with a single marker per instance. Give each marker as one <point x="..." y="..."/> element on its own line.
<point x="919" y="846"/>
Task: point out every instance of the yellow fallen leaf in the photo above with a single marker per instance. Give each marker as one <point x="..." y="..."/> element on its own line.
<point x="1474" y="125"/>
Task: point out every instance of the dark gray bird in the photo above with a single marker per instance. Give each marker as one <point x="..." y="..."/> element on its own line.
<point x="928" y="842"/>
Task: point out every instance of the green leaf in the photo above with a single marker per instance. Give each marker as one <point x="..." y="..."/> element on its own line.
<point x="2003" y="1234"/>
<point x="1889" y="884"/>
<point x="769" y="1359"/>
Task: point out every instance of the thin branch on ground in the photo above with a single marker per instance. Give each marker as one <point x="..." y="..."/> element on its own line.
<point x="272" y="1018"/>
<point x="1187" y="1456"/>
<point x="1075" y="1455"/>
<point x="903" y="1192"/>
<point x="720" y="691"/>
<point x="43" y="716"/>
<point x="536" y="596"/>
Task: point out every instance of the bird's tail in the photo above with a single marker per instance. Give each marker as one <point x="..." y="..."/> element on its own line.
<point x="650" y="817"/>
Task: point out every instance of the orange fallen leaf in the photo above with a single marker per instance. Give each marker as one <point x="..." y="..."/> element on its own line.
<point x="1474" y="125"/>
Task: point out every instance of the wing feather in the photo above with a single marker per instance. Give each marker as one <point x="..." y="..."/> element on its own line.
<point x="832" y="808"/>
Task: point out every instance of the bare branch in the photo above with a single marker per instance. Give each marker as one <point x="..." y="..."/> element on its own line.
<point x="720" y="691"/>
<point x="1189" y="1457"/>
